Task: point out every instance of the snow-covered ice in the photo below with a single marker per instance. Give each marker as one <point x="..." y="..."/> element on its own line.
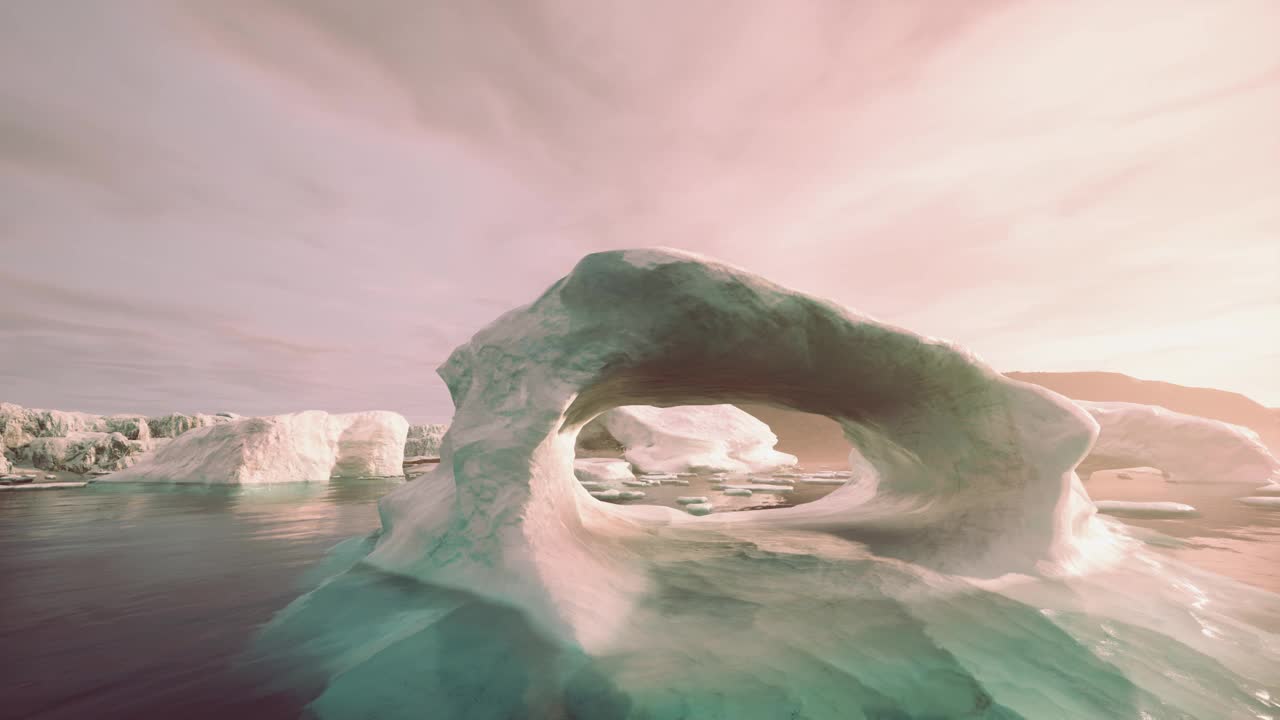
<point x="1186" y="447"/>
<point x="694" y="438"/>
<point x="424" y="440"/>
<point x="308" y="446"/>
<point x="1269" y="501"/>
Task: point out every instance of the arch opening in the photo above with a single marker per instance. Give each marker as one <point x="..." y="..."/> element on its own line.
<point x="711" y="458"/>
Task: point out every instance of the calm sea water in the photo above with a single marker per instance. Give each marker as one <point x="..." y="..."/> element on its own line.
<point x="139" y="601"/>
<point x="129" y="601"/>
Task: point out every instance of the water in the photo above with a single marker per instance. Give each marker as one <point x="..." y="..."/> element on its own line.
<point x="136" y="601"/>
<point x="141" y="601"/>
<point x="1227" y="537"/>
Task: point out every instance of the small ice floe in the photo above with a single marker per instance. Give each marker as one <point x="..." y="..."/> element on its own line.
<point x="607" y="495"/>
<point x="738" y="492"/>
<point x="675" y="481"/>
<point x="46" y="486"/>
<point x="823" y="480"/>
<point x="761" y="487"/>
<point x="657" y="477"/>
<point x="50" y="477"/>
<point x="773" y="480"/>
<point x="639" y="482"/>
<point x="1155" y="510"/>
<point x="630" y="495"/>
<point x="99" y="473"/>
<point x="691" y="499"/>
<point x="698" y="508"/>
<point x="593" y="485"/>
<point x="830" y="474"/>
<point x="1272" y="502"/>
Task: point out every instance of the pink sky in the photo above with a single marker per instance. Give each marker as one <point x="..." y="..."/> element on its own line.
<point x="265" y="206"/>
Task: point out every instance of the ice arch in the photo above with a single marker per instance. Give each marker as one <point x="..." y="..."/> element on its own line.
<point x="966" y="471"/>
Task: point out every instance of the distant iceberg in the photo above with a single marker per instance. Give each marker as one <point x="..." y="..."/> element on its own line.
<point x="310" y="446"/>
<point x="1186" y="447"/>
<point x="693" y="438"/>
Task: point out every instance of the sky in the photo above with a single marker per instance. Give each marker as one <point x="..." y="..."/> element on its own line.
<point x="273" y="205"/>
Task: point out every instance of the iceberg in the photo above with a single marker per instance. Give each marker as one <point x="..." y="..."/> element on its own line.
<point x="963" y="573"/>
<point x="175" y="424"/>
<point x="424" y="440"/>
<point x="310" y="446"/>
<point x="693" y="438"/>
<point x="85" y="452"/>
<point x="1186" y="447"/>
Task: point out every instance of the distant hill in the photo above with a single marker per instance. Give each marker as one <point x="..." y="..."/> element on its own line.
<point x="1205" y="402"/>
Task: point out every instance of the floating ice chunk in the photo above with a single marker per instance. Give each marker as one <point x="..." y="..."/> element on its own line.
<point x="604" y="470"/>
<point x="592" y="485"/>
<point x="1265" y="502"/>
<point x="607" y="494"/>
<point x="698" y="508"/>
<point x="829" y="474"/>
<point x="690" y="499"/>
<point x="823" y="480"/>
<point x="761" y="487"/>
<point x="630" y="495"/>
<point x="773" y="480"/>
<point x="738" y="492"/>
<point x="1124" y="508"/>
<point x="640" y="482"/>
<point x="657" y="477"/>
<point x="1187" y="447"/>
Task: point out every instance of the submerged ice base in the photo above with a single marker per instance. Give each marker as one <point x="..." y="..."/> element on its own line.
<point x="962" y="573"/>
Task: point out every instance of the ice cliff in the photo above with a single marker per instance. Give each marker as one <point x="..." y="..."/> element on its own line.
<point x="1188" y="448"/>
<point x="308" y="446"/>
<point x="691" y="438"/>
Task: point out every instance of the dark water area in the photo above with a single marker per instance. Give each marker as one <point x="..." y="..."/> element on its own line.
<point x="133" y="601"/>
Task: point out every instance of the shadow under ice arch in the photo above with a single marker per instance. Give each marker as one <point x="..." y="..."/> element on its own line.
<point x="962" y="470"/>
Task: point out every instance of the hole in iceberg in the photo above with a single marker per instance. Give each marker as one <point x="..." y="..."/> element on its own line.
<point x="711" y="458"/>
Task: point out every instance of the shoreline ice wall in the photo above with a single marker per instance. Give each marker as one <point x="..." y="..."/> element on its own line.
<point x="310" y="446"/>
<point x="1187" y="447"/>
<point x="971" y="472"/>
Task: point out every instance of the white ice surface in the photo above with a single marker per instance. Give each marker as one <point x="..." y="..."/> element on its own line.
<point x="309" y="446"/>
<point x="694" y="438"/>
<point x="1186" y="447"/>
